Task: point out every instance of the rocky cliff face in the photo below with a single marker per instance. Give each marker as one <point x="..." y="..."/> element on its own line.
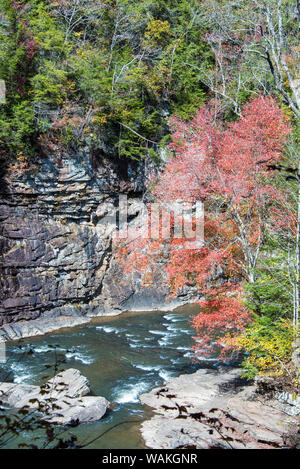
<point x="56" y="243"/>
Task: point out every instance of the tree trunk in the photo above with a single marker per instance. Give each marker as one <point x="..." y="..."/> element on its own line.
<point x="297" y="279"/>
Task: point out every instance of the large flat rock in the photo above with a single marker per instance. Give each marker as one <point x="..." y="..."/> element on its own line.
<point x="85" y="409"/>
<point x="61" y="400"/>
<point x="40" y="326"/>
<point x="194" y="391"/>
<point x="211" y="409"/>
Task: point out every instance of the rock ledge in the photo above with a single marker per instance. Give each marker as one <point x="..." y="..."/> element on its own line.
<point x="63" y="400"/>
<point x="216" y="409"/>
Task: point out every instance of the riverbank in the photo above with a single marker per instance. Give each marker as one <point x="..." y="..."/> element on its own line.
<point x="124" y="357"/>
<point x="50" y="322"/>
<point x="121" y="356"/>
<point x="217" y="409"/>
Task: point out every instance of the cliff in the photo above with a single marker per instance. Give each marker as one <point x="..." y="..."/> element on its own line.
<point x="57" y="263"/>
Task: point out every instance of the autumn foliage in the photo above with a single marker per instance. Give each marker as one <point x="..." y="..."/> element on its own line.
<point x="227" y="167"/>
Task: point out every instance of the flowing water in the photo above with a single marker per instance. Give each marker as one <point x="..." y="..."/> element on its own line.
<point x="122" y="357"/>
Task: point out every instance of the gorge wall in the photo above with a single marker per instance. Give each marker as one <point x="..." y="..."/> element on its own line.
<point x="57" y="264"/>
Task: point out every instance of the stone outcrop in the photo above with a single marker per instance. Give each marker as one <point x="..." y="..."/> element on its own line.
<point x="82" y="410"/>
<point x="68" y="392"/>
<point x="69" y="383"/>
<point x="57" y="265"/>
<point x="215" y="409"/>
<point x="12" y="394"/>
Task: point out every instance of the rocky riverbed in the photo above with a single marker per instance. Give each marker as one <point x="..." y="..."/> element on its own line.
<point x="121" y="358"/>
<point x="217" y="409"/>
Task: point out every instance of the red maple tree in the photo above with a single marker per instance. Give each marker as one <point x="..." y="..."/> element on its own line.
<point x="224" y="165"/>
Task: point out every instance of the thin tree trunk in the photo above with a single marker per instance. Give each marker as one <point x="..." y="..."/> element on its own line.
<point x="297" y="280"/>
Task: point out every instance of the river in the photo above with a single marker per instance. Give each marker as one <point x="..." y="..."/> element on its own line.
<point x="122" y="356"/>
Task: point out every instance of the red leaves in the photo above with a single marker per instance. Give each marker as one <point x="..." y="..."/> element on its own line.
<point x="227" y="163"/>
<point x="31" y="47"/>
<point x="222" y="315"/>
<point x="226" y="167"/>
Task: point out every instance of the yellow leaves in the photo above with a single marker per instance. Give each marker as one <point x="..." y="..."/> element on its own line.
<point x="20" y="166"/>
<point x="70" y="84"/>
<point x="136" y="73"/>
<point x="156" y="28"/>
<point x="268" y="346"/>
<point x="156" y="31"/>
<point x="100" y="119"/>
<point x="83" y="54"/>
<point x="124" y="114"/>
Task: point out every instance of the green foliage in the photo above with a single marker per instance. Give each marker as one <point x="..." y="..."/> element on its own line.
<point x="107" y="74"/>
<point x="31" y="42"/>
<point x="270" y="294"/>
<point x="49" y="85"/>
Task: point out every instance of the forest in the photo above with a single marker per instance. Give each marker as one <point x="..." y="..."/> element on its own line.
<point x="208" y="93"/>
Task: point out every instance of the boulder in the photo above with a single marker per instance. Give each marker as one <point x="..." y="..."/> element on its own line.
<point x="70" y="383"/>
<point x="62" y="400"/>
<point x="85" y="409"/>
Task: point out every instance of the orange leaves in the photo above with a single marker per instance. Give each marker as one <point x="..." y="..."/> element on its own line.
<point x="222" y="316"/>
<point x="226" y="167"/>
<point x="21" y="166"/>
